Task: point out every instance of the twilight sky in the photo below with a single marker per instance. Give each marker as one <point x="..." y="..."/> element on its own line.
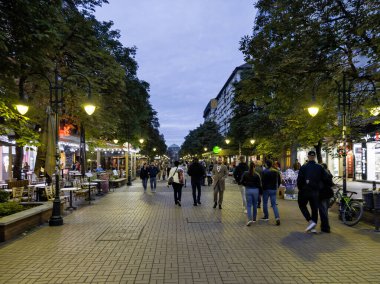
<point x="186" y="50"/>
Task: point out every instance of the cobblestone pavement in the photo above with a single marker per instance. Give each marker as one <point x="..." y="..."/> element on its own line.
<point x="131" y="237"/>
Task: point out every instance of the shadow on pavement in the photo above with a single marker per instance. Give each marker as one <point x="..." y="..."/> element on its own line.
<point x="307" y="246"/>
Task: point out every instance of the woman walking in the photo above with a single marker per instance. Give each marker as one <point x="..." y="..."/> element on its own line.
<point x="177" y="173"/>
<point x="271" y="181"/>
<point x="252" y="182"/>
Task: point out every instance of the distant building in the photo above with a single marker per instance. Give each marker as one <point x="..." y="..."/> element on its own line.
<point x="173" y="151"/>
<point x="220" y="109"/>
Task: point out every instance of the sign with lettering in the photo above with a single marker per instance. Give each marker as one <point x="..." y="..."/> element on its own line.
<point x="364" y="161"/>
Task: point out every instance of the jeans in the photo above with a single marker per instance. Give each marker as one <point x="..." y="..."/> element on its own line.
<point x="177" y="187"/>
<point x="153" y="183"/>
<point x="324" y="214"/>
<point x="311" y="197"/>
<point x="196" y="185"/>
<point x="144" y="183"/>
<point x="252" y="196"/>
<point x="270" y="193"/>
<point x="242" y="191"/>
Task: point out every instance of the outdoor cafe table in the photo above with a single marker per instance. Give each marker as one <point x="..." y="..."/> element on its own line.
<point x="70" y="189"/>
<point x="89" y="184"/>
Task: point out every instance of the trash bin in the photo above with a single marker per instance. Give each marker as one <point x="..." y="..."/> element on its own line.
<point x="376" y="200"/>
<point x="368" y="198"/>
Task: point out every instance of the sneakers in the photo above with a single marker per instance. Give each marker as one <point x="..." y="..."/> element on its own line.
<point x="245" y="211"/>
<point x="278" y="222"/>
<point x="199" y="202"/>
<point x="249" y="223"/>
<point x="195" y="204"/>
<point x="214" y="205"/>
<point x="310" y="226"/>
<point x="179" y="203"/>
<point x="314" y="231"/>
<point x="264" y="219"/>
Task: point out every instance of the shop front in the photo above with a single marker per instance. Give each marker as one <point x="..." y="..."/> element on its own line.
<point x="367" y="158"/>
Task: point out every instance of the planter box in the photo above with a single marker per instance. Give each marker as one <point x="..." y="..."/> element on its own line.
<point x="15" y="224"/>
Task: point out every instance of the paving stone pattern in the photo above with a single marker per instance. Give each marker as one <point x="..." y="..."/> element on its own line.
<point x="131" y="237"/>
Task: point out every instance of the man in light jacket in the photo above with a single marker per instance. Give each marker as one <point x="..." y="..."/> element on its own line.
<point x="219" y="175"/>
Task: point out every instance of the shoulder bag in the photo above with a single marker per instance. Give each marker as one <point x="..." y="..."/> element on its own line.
<point x="171" y="179"/>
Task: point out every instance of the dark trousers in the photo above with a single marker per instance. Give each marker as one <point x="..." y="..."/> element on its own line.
<point x="196" y="184"/>
<point x="311" y="197"/>
<point x="324" y="214"/>
<point x="177" y="191"/>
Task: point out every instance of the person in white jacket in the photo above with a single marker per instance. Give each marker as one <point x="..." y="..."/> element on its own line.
<point x="178" y="179"/>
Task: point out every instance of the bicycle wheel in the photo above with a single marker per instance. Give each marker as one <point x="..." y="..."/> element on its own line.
<point x="352" y="214"/>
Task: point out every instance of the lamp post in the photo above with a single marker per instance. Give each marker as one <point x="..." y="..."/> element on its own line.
<point x="55" y="103"/>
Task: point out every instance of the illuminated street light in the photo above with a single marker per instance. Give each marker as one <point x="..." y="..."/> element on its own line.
<point x="252" y="141"/>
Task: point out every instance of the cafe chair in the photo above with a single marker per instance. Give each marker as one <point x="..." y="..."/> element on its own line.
<point x="17" y="193"/>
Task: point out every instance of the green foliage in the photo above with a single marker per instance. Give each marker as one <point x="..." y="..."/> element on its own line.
<point x="9" y="208"/>
<point x="206" y="135"/>
<point x="4" y="196"/>
<point x="301" y="49"/>
<point x="40" y="36"/>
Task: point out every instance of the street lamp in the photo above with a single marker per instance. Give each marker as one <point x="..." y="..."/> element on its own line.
<point x="154" y="149"/>
<point x="58" y="89"/>
<point x="115" y="141"/>
<point x="205" y="149"/>
<point x="141" y="140"/>
<point x="227" y="141"/>
<point x="252" y="141"/>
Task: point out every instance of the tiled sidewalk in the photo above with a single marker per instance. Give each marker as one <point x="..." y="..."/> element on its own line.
<point x="131" y="237"/>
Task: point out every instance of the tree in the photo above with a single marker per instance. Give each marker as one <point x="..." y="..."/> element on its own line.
<point x="300" y="49"/>
<point x="206" y="135"/>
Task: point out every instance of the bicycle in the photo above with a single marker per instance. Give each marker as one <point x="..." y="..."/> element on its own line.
<point x="350" y="210"/>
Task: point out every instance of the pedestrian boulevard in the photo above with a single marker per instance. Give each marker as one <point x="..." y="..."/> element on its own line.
<point x="131" y="237"/>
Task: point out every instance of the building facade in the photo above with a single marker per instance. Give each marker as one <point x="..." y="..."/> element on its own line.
<point x="220" y="108"/>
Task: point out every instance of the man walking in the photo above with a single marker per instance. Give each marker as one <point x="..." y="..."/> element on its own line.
<point x="238" y="173"/>
<point x="153" y="171"/>
<point x="311" y="178"/>
<point x="196" y="172"/>
<point x="219" y="174"/>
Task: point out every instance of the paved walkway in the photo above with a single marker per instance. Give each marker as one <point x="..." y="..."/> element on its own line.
<point x="131" y="237"/>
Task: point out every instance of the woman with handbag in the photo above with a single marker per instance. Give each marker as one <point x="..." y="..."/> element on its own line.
<point x="175" y="179"/>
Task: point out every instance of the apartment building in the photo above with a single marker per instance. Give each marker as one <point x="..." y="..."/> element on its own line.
<point x="220" y="108"/>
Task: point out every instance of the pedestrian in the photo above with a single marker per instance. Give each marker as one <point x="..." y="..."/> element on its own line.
<point x="153" y="171"/>
<point x="196" y="172"/>
<point x="240" y="169"/>
<point x="219" y="175"/>
<point x="144" y="175"/>
<point x="252" y="182"/>
<point x="324" y="199"/>
<point x="177" y="173"/>
<point x="164" y="169"/>
<point x="310" y="177"/>
<point x="184" y="168"/>
<point x="259" y="170"/>
<point x="296" y="165"/>
<point x="271" y="180"/>
<point x="159" y="174"/>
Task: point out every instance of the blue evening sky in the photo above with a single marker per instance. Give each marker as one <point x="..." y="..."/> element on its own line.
<point x="186" y="50"/>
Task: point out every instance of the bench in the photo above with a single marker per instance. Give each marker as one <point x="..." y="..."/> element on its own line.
<point x="117" y="182"/>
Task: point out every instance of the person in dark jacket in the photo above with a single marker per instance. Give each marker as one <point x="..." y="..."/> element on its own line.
<point x="271" y="180"/>
<point x="153" y="171"/>
<point x="324" y="199"/>
<point x="252" y="182"/>
<point x="240" y="169"/>
<point x="197" y="172"/>
<point x="144" y="175"/>
<point x="310" y="178"/>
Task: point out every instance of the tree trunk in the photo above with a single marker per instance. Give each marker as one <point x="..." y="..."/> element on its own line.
<point x="318" y="150"/>
<point x="17" y="167"/>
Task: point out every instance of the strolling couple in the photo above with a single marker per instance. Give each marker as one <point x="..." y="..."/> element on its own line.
<point x="151" y="174"/>
<point x="314" y="184"/>
<point x="252" y="183"/>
